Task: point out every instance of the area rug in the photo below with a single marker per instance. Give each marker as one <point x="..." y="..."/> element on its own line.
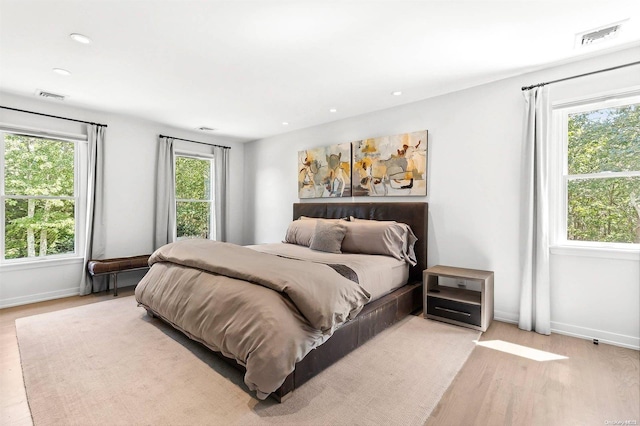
<point x="108" y="363"/>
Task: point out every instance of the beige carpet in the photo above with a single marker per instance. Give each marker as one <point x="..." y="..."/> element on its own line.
<point x="108" y="363"/>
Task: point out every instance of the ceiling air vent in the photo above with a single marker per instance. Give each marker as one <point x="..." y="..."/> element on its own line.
<point x="206" y="129"/>
<point x="49" y="95"/>
<point x="598" y="35"/>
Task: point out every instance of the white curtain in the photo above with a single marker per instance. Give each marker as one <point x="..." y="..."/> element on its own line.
<point x="165" y="221"/>
<point x="94" y="246"/>
<point x="535" y="309"/>
<point x="221" y="163"/>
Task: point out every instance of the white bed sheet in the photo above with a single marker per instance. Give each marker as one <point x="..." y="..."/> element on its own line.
<point x="379" y="275"/>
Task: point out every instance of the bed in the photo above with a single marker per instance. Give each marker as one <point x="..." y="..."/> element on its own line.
<point x="310" y="337"/>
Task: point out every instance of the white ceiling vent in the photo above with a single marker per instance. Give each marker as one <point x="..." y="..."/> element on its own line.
<point x="599" y="34"/>
<point x="206" y="129"/>
<point x="49" y="95"/>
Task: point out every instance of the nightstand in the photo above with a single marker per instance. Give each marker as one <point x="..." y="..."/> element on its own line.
<point x="468" y="302"/>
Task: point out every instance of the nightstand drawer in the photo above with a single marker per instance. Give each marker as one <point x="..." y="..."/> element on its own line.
<point x="451" y="309"/>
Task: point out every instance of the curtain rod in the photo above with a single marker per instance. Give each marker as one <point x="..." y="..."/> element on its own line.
<point x="580" y="75"/>
<point x="53" y="116"/>
<point x="202" y="143"/>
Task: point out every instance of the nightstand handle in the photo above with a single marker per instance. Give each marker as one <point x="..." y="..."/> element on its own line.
<point x="453" y="311"/>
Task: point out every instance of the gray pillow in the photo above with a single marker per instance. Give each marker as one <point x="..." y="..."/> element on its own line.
<point x="300" y="232"/>
<point x="380" y="237"/>
<point x="323" y="219"/>
<point x="328" y="236"/>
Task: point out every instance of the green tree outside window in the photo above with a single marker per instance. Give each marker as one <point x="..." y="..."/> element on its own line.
<point x="604" y="208"/>
<point x="39" y="201"/>
<point x="193" y="197"/>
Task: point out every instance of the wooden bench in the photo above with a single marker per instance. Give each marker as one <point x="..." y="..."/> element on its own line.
<point x="113" y="267"/>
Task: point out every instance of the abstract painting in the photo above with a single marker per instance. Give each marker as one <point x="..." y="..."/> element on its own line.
<point x="390" y="165"/>
<point x="325" y="172"/>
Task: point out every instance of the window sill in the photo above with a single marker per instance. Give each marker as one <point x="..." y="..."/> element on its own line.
<point x="597" y="251"/>
<point x="41" y="263"/>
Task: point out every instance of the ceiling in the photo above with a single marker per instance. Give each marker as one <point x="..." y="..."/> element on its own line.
<point x="245" y="67"/>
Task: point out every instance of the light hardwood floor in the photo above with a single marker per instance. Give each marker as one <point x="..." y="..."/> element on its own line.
<point x="595" y="385"/>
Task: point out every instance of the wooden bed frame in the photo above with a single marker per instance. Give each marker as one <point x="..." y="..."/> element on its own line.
<point x="375" y="316"/>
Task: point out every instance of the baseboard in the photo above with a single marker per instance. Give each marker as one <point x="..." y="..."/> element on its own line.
<point x="40" y="297"/>
<point x="607" y="337"/>
<point x="622" y="340"/>
<point x="505" y="317"/>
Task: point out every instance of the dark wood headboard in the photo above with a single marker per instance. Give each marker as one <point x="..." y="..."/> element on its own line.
<point x="413" y="214"/>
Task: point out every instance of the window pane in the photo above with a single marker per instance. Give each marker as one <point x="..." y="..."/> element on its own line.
<point x="193" y="219"/>
<point x="36" y="228"/>
<point x="605" y="210"/>
<point x="604" y="140"/>
<point x="36" y="166"/>
<point x="192" y="178"/>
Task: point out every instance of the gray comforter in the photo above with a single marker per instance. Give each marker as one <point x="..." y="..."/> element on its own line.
<point x="264" y="311"/>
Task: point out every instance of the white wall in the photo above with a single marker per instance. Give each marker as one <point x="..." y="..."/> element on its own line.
<point x="473" y="187"/>
<point x="474" y="178"/>
<point x="130" y="167"/>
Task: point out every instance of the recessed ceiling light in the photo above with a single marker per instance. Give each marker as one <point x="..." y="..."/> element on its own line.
<point x="284" y="123"/>
<point x="396" y="93"/>
<point x="61" y="71"/>
<point x="80" y="38"/>
<point x="333" y="110"/>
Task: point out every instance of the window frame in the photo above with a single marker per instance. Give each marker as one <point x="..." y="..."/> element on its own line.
<point x="210" y="200"/>
<point x="560" y="178"/>
<point x="80" y="182"/>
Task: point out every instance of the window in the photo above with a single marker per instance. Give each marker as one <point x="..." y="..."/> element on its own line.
<point x="194" y="197"/>
<point x="600" y="178"/>
<point x="39" y="195"/>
